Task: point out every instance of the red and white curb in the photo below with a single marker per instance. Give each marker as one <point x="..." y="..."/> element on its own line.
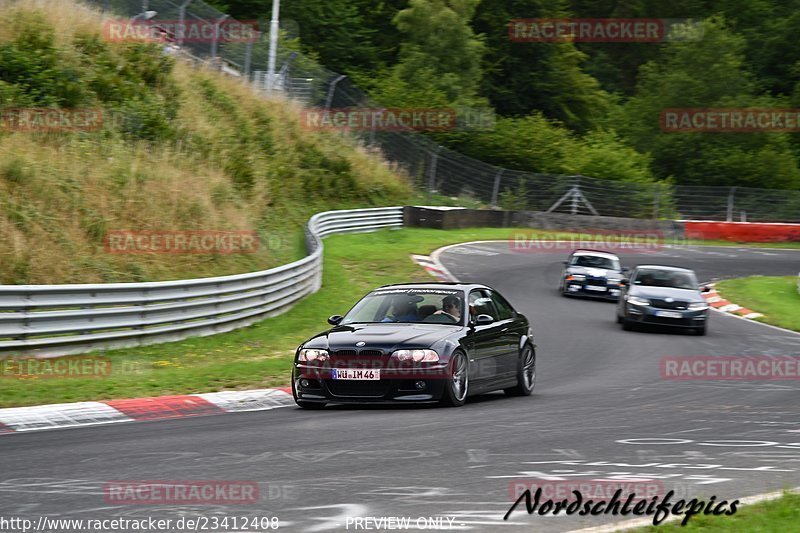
<point x="433" y="267"/>
<point x="721" y="304"/>
<point x="68" y="415"/>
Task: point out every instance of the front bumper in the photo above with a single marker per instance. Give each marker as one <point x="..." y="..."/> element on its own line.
<point x="422" y="385"/>
<point x="583" y="288"/>
<point x="643" y="314"/>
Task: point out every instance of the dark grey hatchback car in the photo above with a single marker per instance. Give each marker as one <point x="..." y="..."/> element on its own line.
<point x="663" y="296"/>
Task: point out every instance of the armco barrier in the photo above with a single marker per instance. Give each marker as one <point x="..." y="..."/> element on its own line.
<point x="742" y="231"/>
<point x="49" y="320"/>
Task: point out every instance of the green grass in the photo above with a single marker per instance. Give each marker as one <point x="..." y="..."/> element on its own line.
<point x="775" y="297"/>
<point x="778" y="515"/>
<point x="259" y="355"/>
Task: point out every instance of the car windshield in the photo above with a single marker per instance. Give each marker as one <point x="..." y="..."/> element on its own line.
<point x="595" y="261"/>
<point x="431" y="306"/>
<point x="666" y="278"/>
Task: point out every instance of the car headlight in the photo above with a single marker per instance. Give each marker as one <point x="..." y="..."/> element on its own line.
<point x="698" y="306"/>
<point x="576" y="277"/>
<point x="310" y="354"/>
<point x="635" y="300"/>
<point x="417" y="356"/>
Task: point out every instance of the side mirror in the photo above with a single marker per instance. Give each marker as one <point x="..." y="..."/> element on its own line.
<point x="335" y="319"/>
<point x="482" y="320"/>
<point x="626" y="269"/>
<point x="565" y="262"/>
<point x="705" y="288"/>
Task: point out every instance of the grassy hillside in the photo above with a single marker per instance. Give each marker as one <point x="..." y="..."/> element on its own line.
<point x="179" y="149"/>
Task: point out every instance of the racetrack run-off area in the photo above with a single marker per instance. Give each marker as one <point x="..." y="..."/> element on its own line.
<point x="601" y="410"/>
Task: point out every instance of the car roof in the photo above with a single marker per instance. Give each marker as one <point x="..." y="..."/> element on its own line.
<point x="666" y="267"/>
<point x="587" y="251"/>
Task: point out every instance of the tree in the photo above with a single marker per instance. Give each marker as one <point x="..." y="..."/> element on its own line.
<point x="709" y="73"/>
<point x="522" y="77"/>
<point x="439" y="57"/>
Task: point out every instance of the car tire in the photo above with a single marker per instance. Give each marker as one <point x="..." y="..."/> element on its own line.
<point x="619" y="319"/>
<point x="526" y="373"/>
<point x="628" y="325"/>
<point x="700" y="331"/>
<point x="457" y="386"/>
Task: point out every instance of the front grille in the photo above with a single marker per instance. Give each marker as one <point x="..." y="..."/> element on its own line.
<point x="596" y="281"/>
<point x="344" y="387"/>
<point x="650" y="319"/>
<point x="663" y="304"/>
<point x="350" y="353"/>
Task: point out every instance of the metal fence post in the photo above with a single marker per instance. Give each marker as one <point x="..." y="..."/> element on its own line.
<point x="731" y="193"/>
<point x="656" y="200"/>
<point x="215" y="38"/>
<point x="496" y="187"/>
<point x="181" y="30"/>
<point x="432" y="172"/>
<point x="331" y="90"/>
<point x="575" y="195"/>
<point x="248" y="56"/>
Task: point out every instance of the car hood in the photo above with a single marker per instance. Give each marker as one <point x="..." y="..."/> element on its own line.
<point x="386" y="337"/>
<point x="687" y="295"/>
<point x="594" y="272"/>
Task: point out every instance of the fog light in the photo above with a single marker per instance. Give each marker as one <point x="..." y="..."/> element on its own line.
<point x="419" y="385"/>
<point x="304" y="383"/>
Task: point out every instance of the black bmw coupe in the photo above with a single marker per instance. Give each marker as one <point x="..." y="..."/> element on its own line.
<point x="429" y="342"/>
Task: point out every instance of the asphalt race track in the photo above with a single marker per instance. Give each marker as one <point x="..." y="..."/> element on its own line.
<point x="600" y="410"/>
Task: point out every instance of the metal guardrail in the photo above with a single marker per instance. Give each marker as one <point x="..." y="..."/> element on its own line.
<point x="49" y="320"/>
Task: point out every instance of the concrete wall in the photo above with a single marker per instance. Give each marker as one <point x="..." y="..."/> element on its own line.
<point x="449" y="218"/>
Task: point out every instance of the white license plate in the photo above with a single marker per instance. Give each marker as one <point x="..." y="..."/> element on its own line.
<point x="361" y="374"/>
<point x="595" y="288"/>
<point x="669" y="314"/>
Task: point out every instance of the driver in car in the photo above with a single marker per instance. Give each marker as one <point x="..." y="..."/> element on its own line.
<point x="451" y="307"/>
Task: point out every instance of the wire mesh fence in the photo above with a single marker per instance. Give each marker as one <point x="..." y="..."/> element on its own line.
<point x="436" y="169"/>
